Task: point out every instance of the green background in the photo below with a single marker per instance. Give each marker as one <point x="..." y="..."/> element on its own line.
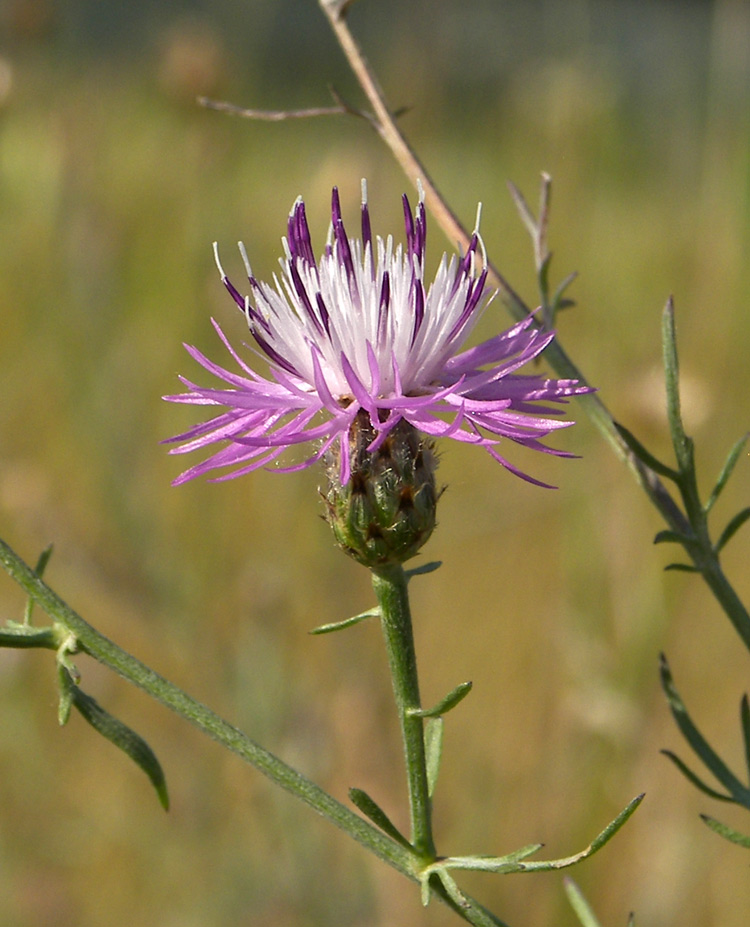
<point x="113" y="184"/>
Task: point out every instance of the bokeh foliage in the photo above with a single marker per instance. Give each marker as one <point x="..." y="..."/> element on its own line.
<point x="113" y="185"/>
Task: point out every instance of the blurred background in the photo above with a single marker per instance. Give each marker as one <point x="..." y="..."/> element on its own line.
<point x="113" y="184"/>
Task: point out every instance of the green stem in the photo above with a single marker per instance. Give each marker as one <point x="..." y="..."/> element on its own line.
<point x="390" y="586"/>
<point x="95" y="644"/>
<point x="98" y="646"/>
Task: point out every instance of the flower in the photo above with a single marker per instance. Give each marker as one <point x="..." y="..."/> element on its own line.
<point x="360" y="333"/>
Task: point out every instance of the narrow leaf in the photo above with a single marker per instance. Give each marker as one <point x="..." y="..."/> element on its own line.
<point x="596" y="844"/>
<point x="731" y="529"/>
<point x="445" y="704"/>
<point x="739" y="792"/>
<point x="378" y="817"/>
<point x="424" y="569"/>
<point x="727" y="832"/>
<point x="645" y="456"/>
<point x="682" y="567"/>
<point x="745" y="721"/>
<point x="121" y="736"/>
<point x="692" y="777"/>
<point x="557" y="301"/>
<point x="499" y="864"/>
<point x="346" y="623"/>
<point x="669" y="536"/>
<point x="527" y="217"/>
<point x="468" y="908"/>
<point x="39" y="569"/>
<point x="66" y="686"/>
<point x="22" y="635"/>
<point x="726" y="472"/>
<point x="433" y="748"/>
<point x="578" y="903"/>
<point x="680" y="441"/>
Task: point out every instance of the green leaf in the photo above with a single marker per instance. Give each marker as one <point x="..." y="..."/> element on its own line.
<point x="65" y="686"/>
<point x="346" y="623"/>
<point x="557" y="298"/>
<point x="669" y="536"/>
<point x="376" y="814"/>
<point x="683" y="446"/>
<point x="527" y="217"/>
<point x="731" y="529"/>
<point x="646" y="457"/>
<point x="745" y="721"/>
<point x="41" y="566"/>
<point x="578" y="903"/>
<point x="692" y="777"/>
<point x="445" y="704"/>
<point x="596" y="844"/>
<point x="727" y="832"/>
<point x="424" y="569"/>
<point x="433" y="748"/>
<point x="22" y="635"/>
<point x="726" y="472"/>
<point x="739" y="792"/>
<point x="682" y="567"/>
<point x="119" y="734"/>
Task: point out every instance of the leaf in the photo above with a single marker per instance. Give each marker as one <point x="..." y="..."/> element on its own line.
<point x="118" y="733"/>
<point x="375" y="813"/>
<point x="433" y="748"/>
<point x="527" y="217"/>
<point x="692" y="777"/>
<point x="424" y="569"/>
<point x="346" y="623"/>
<point x="578" y="903"/>
<point x="596" y="844"/>
<point x="41" y="566"/>
<point x="669" y="536"/>
<point x="726" y="472"/>
<point x="731" y="529"/>
<point x="445" y="704"/>
<point x="727" y="832"/>
<point x="739" y="792"/>
<point x="745" y="721"/>
<point x="645" y="456"/>
<point x="557" y="298"/>
<point x="683" y="446"/>
<point x="22" y="635"/>
<point x="682" y="567"/>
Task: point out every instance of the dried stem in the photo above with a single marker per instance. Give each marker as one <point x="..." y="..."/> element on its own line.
<point x="386" y="127"/>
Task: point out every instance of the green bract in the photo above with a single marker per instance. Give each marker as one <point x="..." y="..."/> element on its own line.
<point x="386" y="511"/>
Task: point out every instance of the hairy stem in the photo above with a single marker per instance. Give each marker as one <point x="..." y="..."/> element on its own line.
<point x="390" y="586"/>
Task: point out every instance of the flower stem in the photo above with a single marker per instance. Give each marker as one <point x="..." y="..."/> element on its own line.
<point x="390" y="586"/>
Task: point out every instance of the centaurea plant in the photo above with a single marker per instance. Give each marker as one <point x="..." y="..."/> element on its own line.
<point x="369" y="364"/>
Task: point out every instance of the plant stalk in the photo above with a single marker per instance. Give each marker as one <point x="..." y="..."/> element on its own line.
<point x="390" y="585"/>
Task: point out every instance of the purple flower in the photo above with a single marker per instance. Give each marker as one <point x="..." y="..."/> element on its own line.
<point x="360" y="331"/>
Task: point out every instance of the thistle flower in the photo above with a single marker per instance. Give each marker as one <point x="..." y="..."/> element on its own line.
<point x="358" y="336"/>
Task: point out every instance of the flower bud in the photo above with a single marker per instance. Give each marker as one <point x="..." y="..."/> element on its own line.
<point x="386" y="510"/>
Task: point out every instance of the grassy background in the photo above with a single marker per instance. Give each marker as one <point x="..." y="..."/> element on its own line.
<point x="112" y="187"/>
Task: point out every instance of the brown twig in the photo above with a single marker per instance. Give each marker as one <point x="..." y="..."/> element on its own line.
<point x="385" y="125"/>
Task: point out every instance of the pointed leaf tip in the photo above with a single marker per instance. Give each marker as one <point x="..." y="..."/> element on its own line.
<point x="728" y="833"/>
<point x="375" y="813"/>
<point x="445" y="704"/>
<point x="124" y="738"/>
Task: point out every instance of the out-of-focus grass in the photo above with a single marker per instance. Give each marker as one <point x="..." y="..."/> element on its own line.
<point x="113" y="186"/>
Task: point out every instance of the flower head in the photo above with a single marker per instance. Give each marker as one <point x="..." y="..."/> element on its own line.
<point x="360" y="333"/>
